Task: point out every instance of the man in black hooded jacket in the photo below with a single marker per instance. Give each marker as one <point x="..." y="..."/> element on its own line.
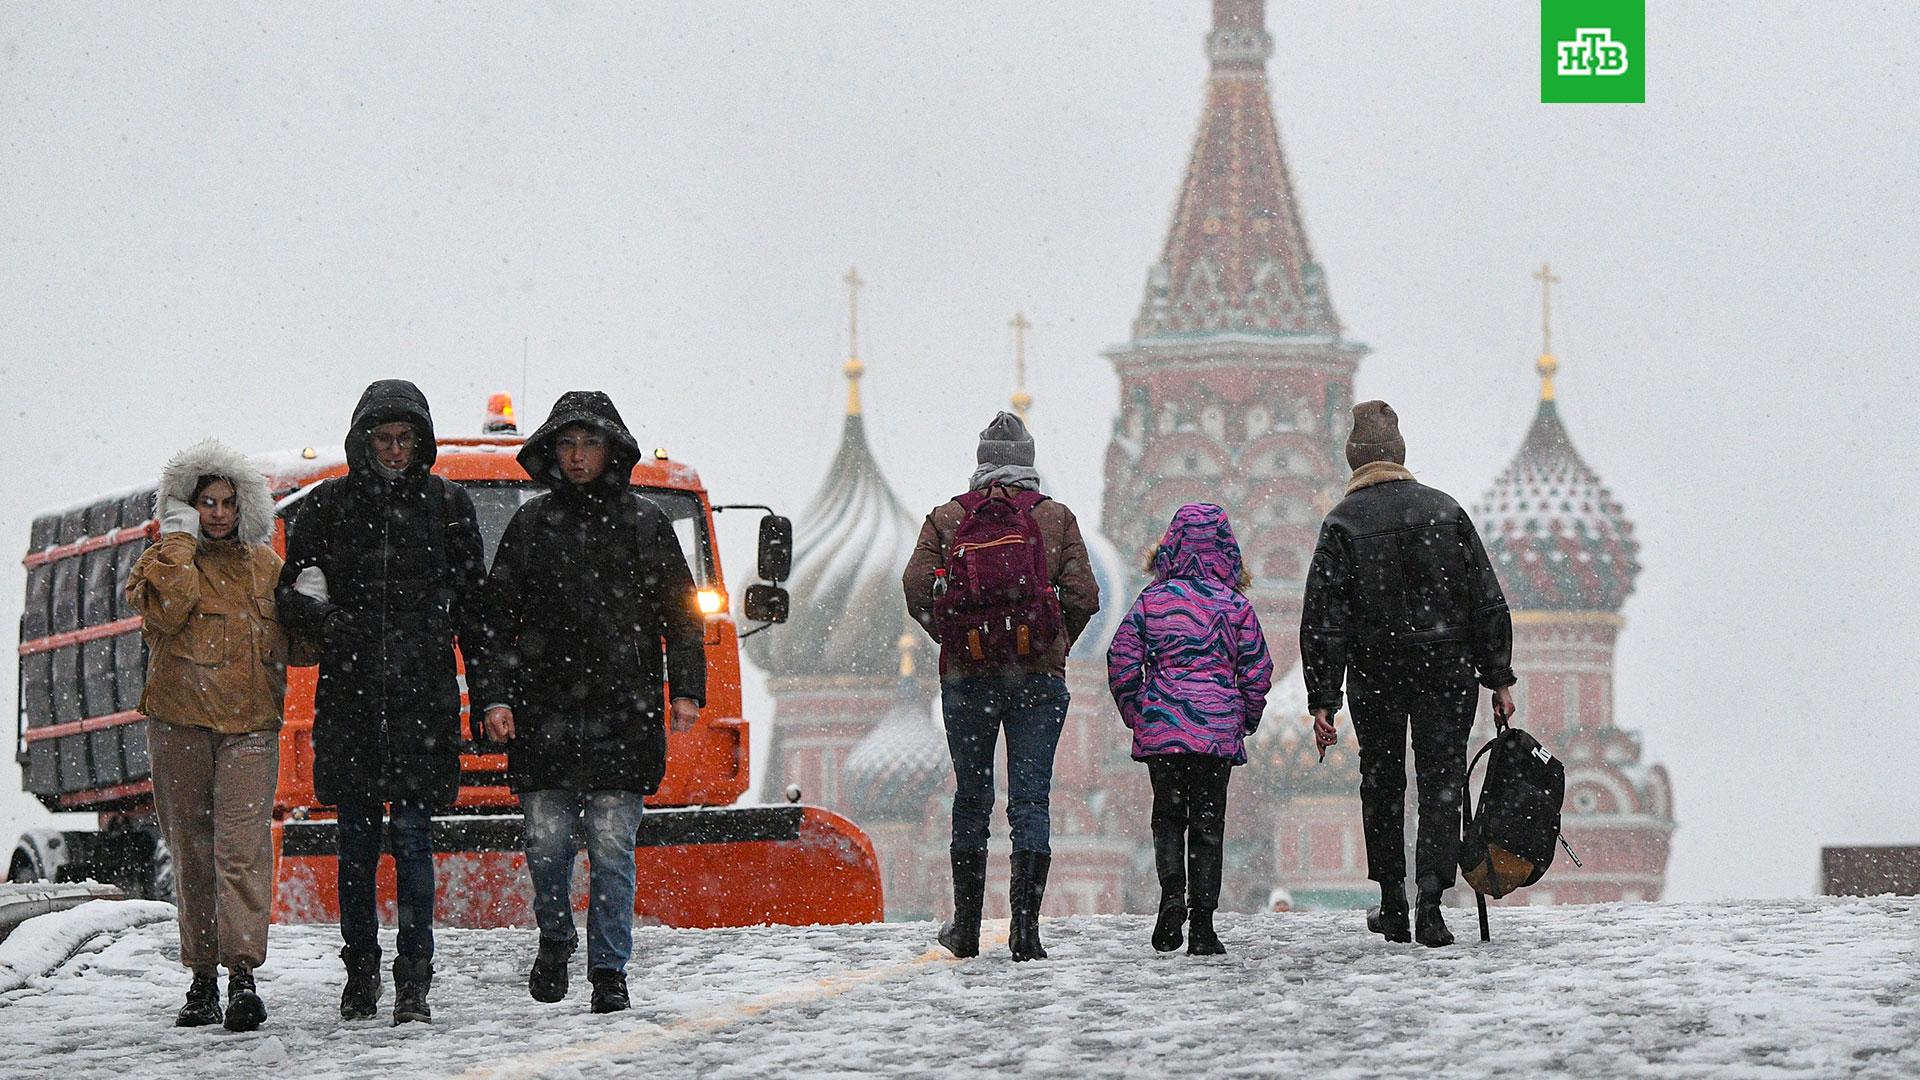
<point x="1402" y="606"/>
<point x="587" y="587"/>
<point x="385" y="567"/>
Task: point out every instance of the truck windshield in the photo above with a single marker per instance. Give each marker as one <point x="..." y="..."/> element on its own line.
<point x="495" y="504"/>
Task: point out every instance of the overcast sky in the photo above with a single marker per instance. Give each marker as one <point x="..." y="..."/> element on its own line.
<point x="229" y="219"/>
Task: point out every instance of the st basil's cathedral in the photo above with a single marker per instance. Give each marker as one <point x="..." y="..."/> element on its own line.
<point x="1235" y="388"/>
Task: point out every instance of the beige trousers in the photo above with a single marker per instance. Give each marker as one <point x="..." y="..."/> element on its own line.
<point x="214" y="794"/>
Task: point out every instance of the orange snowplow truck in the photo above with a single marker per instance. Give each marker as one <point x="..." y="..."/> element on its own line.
<point x="701" y="862"/>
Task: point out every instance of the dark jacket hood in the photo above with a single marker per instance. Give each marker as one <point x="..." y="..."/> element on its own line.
<point x="383" y="403"/>
<point x="591" y="409"/>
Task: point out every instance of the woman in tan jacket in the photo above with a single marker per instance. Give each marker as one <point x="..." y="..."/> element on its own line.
<point x="216" y="678"/>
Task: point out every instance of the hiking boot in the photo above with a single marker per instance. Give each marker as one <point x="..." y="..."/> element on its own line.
<point x="203" y="1002"/>
<point x="1166" y="929"/>
<point x="961" y="935"/>
<point x="547" y="982"/>
<point x="361" y="996"/>
<point x="1027" y="888"/>
<point x="1201" y="940"/>
<point x="609" y="991"/>
<point x="1389" y="917"/>
<point x="412" y="978"/>
<point x="1430" y="929"/>
<point x="245" y="1010"/>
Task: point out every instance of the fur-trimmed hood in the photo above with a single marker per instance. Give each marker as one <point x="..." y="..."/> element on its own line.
<point x="215" y="458"/>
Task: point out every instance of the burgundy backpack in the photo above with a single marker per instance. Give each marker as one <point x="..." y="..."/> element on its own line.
<point x="999" y="607"/>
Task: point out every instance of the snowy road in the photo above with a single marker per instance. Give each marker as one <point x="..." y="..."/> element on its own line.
<point x="1816" y="988"/>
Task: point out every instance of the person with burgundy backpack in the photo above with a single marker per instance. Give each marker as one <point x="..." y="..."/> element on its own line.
<point x="1000" y="578"/>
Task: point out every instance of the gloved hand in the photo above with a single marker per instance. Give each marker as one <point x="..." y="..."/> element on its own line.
<point x="178" y="517"/>
<point x="348" y="629"/>
<point x="311" y="582"/>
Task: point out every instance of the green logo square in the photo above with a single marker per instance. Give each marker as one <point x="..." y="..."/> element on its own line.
<point x="1593" y="50"/>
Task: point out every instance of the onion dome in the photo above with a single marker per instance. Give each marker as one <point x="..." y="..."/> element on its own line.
<point x="1284" y="750"/>
<point x="1557" y="537"/>
<point x="852" y="541"/>
<point x="1118" y="583"/>
<point x="895" y="771"/>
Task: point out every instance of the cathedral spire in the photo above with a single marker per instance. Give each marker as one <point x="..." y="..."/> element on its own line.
<point x="1549" y="365"/>
<point x="1237" y="259"/>
<point x="854" y="368"/>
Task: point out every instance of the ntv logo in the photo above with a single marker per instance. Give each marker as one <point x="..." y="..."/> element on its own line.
<point x="1593" y="52"/>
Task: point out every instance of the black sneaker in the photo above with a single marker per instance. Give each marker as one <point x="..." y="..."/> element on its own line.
<point x="360" y="998"/>
<point x="203" y="1002"/>
<point x="245" y="1010"/>
<point x="609" y="991"/>
<point x="547" y="982"/>
<point x="412" y="978"/>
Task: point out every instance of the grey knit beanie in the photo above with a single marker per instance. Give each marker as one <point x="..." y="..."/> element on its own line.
<point x="1375" y="436"/>
<point x="1005" y="441"/>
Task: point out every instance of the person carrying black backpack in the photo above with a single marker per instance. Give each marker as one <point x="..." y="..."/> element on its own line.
<point x="1402" y="606"/>
<point x="1000" y="578"/>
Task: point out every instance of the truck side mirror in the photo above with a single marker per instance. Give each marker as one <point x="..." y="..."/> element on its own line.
<point x="767" y="603"/>
<point x="776" y="552"/>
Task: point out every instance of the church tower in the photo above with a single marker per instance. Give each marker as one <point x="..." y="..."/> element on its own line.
<point x="1567" y="559"/>
<point x="1237" y="382"/>
<point x="833" y="669"/>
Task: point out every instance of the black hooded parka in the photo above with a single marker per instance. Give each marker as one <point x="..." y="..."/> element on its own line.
<point x="404" y="570"/>
<point x="588" y="595"/>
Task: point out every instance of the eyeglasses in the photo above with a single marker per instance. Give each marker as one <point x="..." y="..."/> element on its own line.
<point x="383" y="441"/>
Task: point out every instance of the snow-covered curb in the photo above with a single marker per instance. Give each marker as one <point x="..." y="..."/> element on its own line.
<point x="44" y="942"/>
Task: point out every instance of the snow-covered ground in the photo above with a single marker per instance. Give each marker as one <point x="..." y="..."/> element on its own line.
<point x="1816" y="988"/>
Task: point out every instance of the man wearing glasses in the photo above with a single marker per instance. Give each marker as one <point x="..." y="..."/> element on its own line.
<point x="385" y="567"/>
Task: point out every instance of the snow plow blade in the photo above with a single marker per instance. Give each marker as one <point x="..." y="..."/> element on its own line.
<point x="696" y="868"/>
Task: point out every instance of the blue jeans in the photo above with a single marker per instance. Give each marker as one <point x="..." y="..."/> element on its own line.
<point x="1032" y="709"/>
<point x="613" y="819"/>
<point x="411" y="837"/>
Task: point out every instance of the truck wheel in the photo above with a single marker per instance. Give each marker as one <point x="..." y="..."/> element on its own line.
<point x="159" y="883"/>
<point x="22" y="868"/>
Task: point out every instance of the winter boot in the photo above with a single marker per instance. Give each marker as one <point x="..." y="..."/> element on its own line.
<point x="1166" y="929"/>
<point x="1201" y="940"/>
<point x="203" y="1001"/>
<point x="609" y="991"/>
<point x="961" y="937"/>
<point x="1389" y="919"/>
<point x="412" y="978"/>
<point x="245" y="1010"/>
<point x="1027" y="888"/>
<point x="361" y="995"/>
<point x="548" y="980"/>
<point x="1429" y="928"/>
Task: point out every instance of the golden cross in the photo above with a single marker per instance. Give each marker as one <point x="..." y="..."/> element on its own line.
<point x="1547" y="281"/>
<point x="854" y="368"/>
<point x="1022" y="401"/>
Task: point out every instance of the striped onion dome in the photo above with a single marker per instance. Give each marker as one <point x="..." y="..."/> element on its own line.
<point x="1558" y="538"/>
<point x="1118" y="583"/>
<point x="895" y="771"/>
<point x="852" y="542"/>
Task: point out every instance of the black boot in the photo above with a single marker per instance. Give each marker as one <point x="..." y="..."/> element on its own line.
<point x="1170" y="860"/>
<point x="203" y="1001"/>
<point x="961" y="936"/>
<point x="245" y="1010"/>
<point x="548" y="980"/>
<point x="361" y="995"/>
<point x="412" y="978"/>
<point x="1201" y="940"/>
<point x="1025" y="891"/>
<point x="609" y="991"/>
<point x="1389" y="919"/>
<point x="1430" y="929"/>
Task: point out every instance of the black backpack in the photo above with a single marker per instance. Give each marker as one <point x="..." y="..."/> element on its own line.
<point x="1509" y="844"/>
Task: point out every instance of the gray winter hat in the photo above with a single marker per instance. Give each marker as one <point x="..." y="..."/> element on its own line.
<point x="1376" y="435"/>
<point x="1006" y="441"/>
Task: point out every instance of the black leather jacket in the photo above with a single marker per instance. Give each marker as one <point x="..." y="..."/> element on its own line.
<point x="1399" y="569"/>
